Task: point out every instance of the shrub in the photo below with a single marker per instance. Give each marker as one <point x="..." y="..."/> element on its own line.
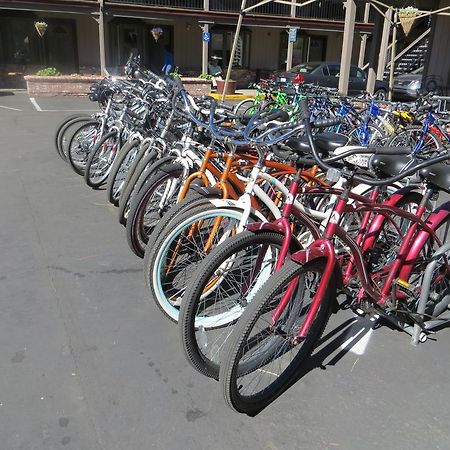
<point x="205" y="76"/>
<point x="48" y="72"/>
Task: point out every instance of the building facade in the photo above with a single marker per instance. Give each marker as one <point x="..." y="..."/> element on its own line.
<point x="71" y="42"/>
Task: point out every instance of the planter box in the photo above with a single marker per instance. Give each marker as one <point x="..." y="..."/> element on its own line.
<point x="38" y="86"/>
<point x="79" y="85"/>
<point x="231" y="87"/>
<point x="197" y="86"/>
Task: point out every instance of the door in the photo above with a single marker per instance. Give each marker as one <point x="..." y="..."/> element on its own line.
<point x="61" y="46"/>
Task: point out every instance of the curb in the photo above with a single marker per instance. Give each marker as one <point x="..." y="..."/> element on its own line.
<point x="232" y="97"/>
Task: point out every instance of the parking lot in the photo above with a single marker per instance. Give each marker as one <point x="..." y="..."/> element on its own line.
<point x="88" y="362"/>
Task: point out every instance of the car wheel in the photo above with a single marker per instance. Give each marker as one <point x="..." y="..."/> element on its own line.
<point x="380" y="94"/>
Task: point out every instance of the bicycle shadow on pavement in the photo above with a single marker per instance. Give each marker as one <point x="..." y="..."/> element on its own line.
<point x="351" y="335"/>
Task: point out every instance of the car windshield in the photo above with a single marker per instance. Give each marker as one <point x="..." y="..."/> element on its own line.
<point x="304" y="68"/>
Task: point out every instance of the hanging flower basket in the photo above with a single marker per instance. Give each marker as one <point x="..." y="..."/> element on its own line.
<point x="157" y="32"/>
<point x="41" y="27"/>
<point x="407" y="17"/>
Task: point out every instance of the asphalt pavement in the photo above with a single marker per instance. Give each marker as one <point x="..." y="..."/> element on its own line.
<point x="87" y="361"/>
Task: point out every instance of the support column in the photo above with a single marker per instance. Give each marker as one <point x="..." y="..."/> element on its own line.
<point x="233" y="48"/>
<point x="347" y="45"/>
<point x="384" y="44"/>
<point x="374" y="52"/>
<point x="205" y="48"/>
<point x="290" y="47"/>
<point x="205" y="44"/>
<point x="393" y="48"/>
<point x="362" y="47"/>
<point x="101" y="38"/>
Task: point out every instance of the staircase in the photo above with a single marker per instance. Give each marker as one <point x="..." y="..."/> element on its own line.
<point x="410" y="58"/>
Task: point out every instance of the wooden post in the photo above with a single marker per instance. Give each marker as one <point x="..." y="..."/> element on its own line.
<point x="233" y="49"/>
<point x="101" y="38"/>
<point x="362" y="47"/>
<point x="347" y="44"/>
<point x="384" y="44"/>
<point x="290" y="46"/>
<point x="374" y="51"/>
<point x="205" y="45"/>
<point x="393" y="48"/>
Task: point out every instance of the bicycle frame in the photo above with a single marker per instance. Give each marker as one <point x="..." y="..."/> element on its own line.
<point x="414" y="240"/>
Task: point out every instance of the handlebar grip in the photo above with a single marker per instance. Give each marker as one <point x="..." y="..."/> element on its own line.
<point x="325" y="123"/>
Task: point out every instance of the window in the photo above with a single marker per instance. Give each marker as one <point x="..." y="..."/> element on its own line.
<point x="222" y="42"/>
<point x="334" y="69"/>
<point x="360" y="74"/>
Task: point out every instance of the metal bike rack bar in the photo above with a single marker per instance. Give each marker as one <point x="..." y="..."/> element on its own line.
<point x="427" y="279"/>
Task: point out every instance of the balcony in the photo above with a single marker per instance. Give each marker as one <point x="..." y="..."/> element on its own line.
<point x="321" y="10"/>
<point x="176" y="4"/>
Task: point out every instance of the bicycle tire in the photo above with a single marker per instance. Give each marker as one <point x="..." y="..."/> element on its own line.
<point x="201" y="316"/>
<point x="64" y="135"/>
<point x="137" y="228"/>
<point x="157" y="258"/>
<point x="133" y="178"/>
<point x="101" y="159"/>
<point x="60" y="130"/>
<point x="79" y="149"/>
<point x="409" y="136"/>
<point x="278" y="340"/>
<point x="119" y="170"/>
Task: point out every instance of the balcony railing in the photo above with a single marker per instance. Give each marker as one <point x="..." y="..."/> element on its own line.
<point x="185" y="4"/>
<point x="321" y="10"/>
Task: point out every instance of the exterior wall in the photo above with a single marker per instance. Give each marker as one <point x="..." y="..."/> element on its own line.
<point x="265" y="48"/>
<point x="87" y="40"/>
<point x="438" y="66"/>
<point x="187" y="46"/>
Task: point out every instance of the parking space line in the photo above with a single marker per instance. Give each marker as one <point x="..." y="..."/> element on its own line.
<point x="35" y="104"/>
<point x="8" y="107"/>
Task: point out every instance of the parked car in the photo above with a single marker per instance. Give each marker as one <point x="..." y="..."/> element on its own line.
<point x="408" y="85"/>
<point x="327" y="74"/>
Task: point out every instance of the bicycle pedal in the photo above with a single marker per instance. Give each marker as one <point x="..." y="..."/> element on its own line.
<point x="404" y="287"/>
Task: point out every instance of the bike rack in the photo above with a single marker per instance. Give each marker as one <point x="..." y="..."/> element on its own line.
<point x="417" y="335"/>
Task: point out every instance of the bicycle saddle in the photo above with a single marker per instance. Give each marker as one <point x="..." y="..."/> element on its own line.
<point x="391" y="165"/>
<point x="438" y="175"/>
<point x="325" y="142"/>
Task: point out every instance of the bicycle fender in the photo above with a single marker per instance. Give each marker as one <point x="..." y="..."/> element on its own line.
<point x="311" y="254"/>
<point x="378" y="220"/>
<point x="438" y="216"/>
<point x="161" y="162"/>
<point x="206" y="191"/>
<point x="259" y="227"/>
<point x="235" y="204"/>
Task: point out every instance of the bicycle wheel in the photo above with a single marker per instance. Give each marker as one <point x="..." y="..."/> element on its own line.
<point x="119" y="170"/>
<point x="224" y="284"/>
<point x="134" y="178"/>
<point x="81" y="144"/>
<point x="390" y="235"/>
<point x="372" y="135"/>
<point x="260" y="360"/>
<point x="101" y="159"/>
<point x="147" y="207"/>
<point x="439" y="296"/>
<point x="64" y="132"/>
<point x="171" y="261"/>
<point x="412" y="137"/>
